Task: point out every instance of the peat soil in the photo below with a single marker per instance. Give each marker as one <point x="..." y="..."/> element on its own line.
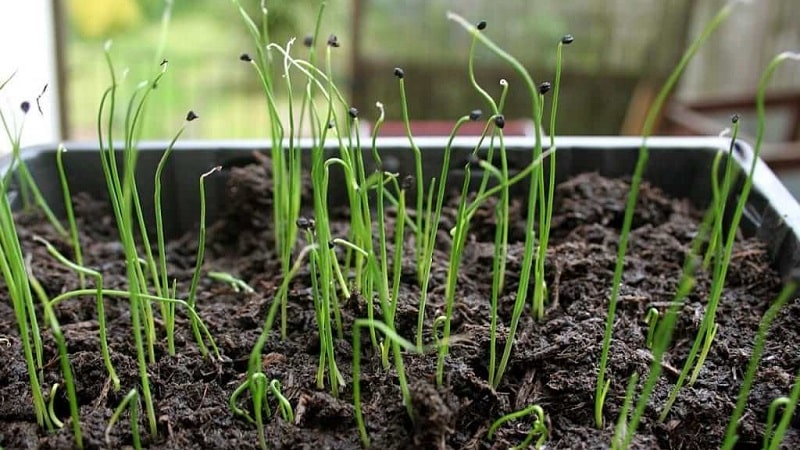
<point x="554" y="363"/>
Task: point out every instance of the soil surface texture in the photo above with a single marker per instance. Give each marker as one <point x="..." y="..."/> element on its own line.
<point x="554" y="362"/>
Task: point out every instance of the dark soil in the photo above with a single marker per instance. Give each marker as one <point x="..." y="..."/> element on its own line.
<point x="554" y="363"/>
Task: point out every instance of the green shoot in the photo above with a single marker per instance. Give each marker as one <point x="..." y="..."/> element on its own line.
<point x="427" y="259"/>
<point x="66" y="371"/>
<point x="459" y="239"/>
<point x="721" y="263"/>
<point x="73" y="227"/>
<point x="50" y="407"/>
<point x="538" y="426"/>
<point x="101" y="314"/>
<point x="651" y="319"/>
<point x="420" y="241"/>
<point x="16" y="276"/>
<point x="666" y="325"/>
<point x="236" y="284"/>
<point x="536" y="174"/>
<point x="131" y="400"/>
<point x="397" y="342"/>
<point x="168" y="311"/>
<point x="641" y="163"/>
<point x="720" y="197"/>
<point x="127" y="294"/>
<point x="621" y="431"/>
<point x="775" y="438"/>
<point x="201" y="246"/>
<point x="283" y="404"/>
<point x="755" y="357"/>
<point x="540" y="288"/>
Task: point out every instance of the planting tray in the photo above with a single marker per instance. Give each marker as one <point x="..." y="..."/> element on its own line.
<point x="679" y="166"/>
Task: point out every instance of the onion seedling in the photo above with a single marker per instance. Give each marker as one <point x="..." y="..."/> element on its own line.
<point x="540" y="287"/>
<point x="167" y="311"/>
<point x="201" y="246"/>
<point x="755" y="357"/>
<point x="457" y="247"/>
<point x="720" y="196"/>
<point x="722" y="263"/>
<point x="73" y="227"/>
<point x="15" y="274"/>
<point x="131" y="401"/>
<point x="772" y="440"/>
<point x="538" y="426"/>
<point x="651" y="319"/>
<point x="602" y="385"/>
<point x="236" y="284"/>
<point x="535" y="175"/>
<point x="420" y="240"/>
<point x="430" y="241"/>
<point x="101" y="313"/>
<point x="51" y="407"/>
<point x="66" y="371"/>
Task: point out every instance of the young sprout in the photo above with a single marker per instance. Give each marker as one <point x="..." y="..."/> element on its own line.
<point x="66" y="371"/>
<point x="538" y="426"/>
<point x="51" y="410"/>
<point x="101" y="314"/>
<point x="236" y="284"/>
<point x="752" y="367"/>
<point x="601" y="387"/>
<point x="651" y="319"/>
<point x="772" y="440"/>
<point x="427" y="259"/>
<point x="283" y="404"/>
<point x="131" y="400"/>
<point x="722" y="263"/>
<point x="201" y="244"/>
<point x="73" y="228"/>
<point x="17" y="279"/>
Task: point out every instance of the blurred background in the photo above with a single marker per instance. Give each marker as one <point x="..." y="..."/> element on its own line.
<point x="622" y="53"/>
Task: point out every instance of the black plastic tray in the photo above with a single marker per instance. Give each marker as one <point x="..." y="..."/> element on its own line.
<point x="679" y="166"/>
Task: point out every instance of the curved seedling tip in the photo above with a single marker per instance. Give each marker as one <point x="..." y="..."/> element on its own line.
<point x="475" y="115"/>
<point x="500" y="121"/>
<point x="41" y="240"/>
<point x="353" y="112"/>
<point x="25" y="106"/>
<point x="190" y="116"/>
<point x="544" y="87"/>
<point x="503" y="82"/>
<point x="481" y="25"/>
<point x="725" y="133"/>
<point x="789" y="55"/>
<point x="107" y="46"/>
<point x="735" y="118"/>
<point x="308" y="40"/>
<point x="214" y="169"/>
<point x="399" y="73"/>
<point x="567" y="39"/>
<point x="245" y="57"/>
<point x="305" y="223"/>
<point x="333" y="41"/>
<point x="407" y="183"/>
